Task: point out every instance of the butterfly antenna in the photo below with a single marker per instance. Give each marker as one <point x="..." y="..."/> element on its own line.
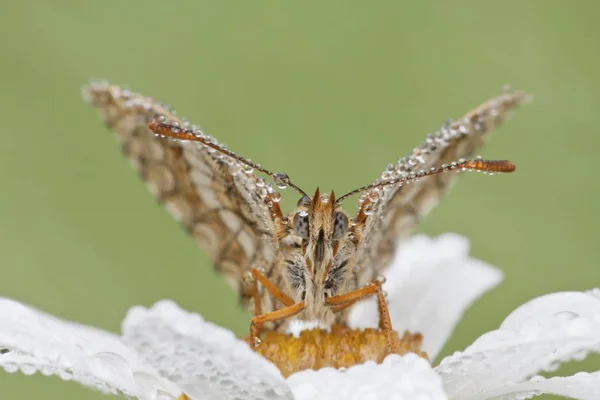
<point x="486" y="166"/>
<point x="172" y="131"/>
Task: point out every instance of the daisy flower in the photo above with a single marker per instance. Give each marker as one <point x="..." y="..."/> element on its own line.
<point x="165" y="352"/>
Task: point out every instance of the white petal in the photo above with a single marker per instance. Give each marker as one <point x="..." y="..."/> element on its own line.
<point x="536" y="337"/>
<point x="33" y="341"/>
<point x="398" y="378"/>
<point x="296" y="326"/>
<point x="430" y="284"/>
<point x="583" y="386"/>
<point x="206" y="360"/>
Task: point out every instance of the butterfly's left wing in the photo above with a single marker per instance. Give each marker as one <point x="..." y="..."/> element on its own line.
<point x="390" y="214"/>
<point x="226" y="209"/>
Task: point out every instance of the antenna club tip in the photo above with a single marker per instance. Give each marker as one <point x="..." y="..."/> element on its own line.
<point x="502" y="166"/>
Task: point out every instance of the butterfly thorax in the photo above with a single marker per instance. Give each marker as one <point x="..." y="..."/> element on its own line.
<point x="314" y="266"/>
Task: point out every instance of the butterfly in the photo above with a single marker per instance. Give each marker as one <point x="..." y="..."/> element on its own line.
<point x="312" y="263"/>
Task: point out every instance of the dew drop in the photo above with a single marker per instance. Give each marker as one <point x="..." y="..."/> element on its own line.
<point x="10" y="367"/>
<point x="235" y="168"/>
<point x="276" y="197"/>
<point x="47" y="370"/>
<point x="386" y="175"/>
<point x="281" y="180"/>
<point x="374" y="195"/>
<point x="28" y="369"/>
<point x="65" y="375"/>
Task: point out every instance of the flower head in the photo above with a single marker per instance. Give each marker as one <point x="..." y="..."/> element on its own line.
<point x="164" y="351"/>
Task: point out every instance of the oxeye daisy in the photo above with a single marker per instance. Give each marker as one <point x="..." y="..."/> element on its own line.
<point x="164" y="352"/>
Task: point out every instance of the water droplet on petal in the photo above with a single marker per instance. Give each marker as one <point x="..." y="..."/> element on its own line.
<point x="28" y="369"/>
<point x="47" y="370"/>
<point x="10" y="367"/>
<point x="65" y="375"/>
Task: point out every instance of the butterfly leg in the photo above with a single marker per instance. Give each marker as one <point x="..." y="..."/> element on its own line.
<point x="343" y="301"/>
<point x="271" y="287"/>
<point x="385" y="321"/>
<point x="259" y="320"/>
<point x="251" y="279"/>
<point x="250" y="289"/>
<point x="347" y="299"/>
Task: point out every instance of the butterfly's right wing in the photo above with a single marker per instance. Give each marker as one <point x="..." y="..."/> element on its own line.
<point x="394" y="212"/>
<point x="223" y="206"/>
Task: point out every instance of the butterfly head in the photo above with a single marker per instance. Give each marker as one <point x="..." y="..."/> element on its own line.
<point x="322" y="226"/>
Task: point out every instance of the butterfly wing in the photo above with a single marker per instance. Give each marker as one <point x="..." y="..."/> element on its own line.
<point x="222" y="206"/>
<point x="393" y="212"/>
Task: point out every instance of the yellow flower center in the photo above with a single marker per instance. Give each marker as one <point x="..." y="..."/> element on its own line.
<point x="341" y="348"/>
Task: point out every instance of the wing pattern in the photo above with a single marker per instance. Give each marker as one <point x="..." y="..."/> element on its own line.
<point x="391" y="214"/>
<point x="222" y="205"/>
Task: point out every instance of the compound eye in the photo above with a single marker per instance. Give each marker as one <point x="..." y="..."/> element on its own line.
<point x="340" y="225"/>
<point x="301" y="224"/>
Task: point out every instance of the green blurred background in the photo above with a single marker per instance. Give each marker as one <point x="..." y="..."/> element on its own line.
<point x="329" y="92"/>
